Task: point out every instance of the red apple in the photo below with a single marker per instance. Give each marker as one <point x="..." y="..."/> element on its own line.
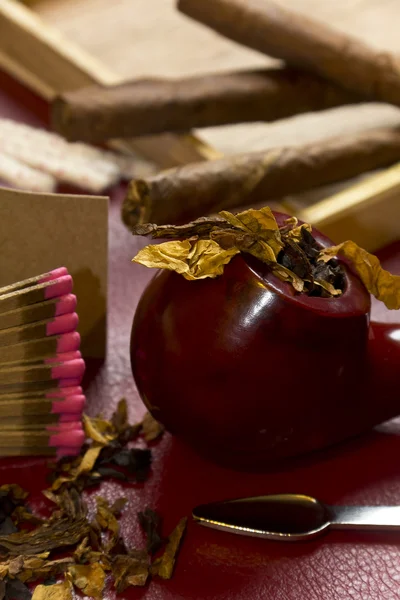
<point x="246" y="370"/>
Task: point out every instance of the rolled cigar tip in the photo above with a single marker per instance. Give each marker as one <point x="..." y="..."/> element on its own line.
<point x="60" y="118"/>
<point x="136" y="207"/>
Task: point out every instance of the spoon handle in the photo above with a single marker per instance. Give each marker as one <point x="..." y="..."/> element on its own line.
<point x="365" y="517"/>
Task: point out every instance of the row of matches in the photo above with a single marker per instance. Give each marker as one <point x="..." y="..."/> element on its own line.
<point x="41" y="367"/>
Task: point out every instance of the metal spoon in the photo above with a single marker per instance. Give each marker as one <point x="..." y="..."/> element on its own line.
<point x="292" y="517"/>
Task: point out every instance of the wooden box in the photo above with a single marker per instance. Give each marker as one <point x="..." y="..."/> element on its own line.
<point x="47" y="61"/>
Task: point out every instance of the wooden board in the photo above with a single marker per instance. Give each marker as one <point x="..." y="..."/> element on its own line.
<point x="150" y="37"/>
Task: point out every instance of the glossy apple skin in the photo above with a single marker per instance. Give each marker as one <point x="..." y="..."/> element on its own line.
<point x="247" y="371"/>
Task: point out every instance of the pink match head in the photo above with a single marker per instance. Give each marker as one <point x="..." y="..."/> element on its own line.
<point x="69" y="370"/>
<point x="73" y="437"/>
<point x="55" y="274"/>
<point x="62" y="324"/>
<point x="59" y="287"/>
<point x="66" y="304"/>
<point x="70" y="418"/>
<point x="71" y="382"/>
<point x="65" y="392"/>
<point x="63" y="357"/>
<point x="68" y="342"/>
<point x="70" y="404"/>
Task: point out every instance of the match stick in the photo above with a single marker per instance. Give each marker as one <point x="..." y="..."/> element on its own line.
<point x="27" y="374"/>
<point x="74" y="405"/>
<point x="57" y="358"/>
<point x="62" y="435"/>
<point x="41" y="348"/>
<point x="44" y="386"/>
<point x="24" y="283"/>
<point x="54" y="307"/>
<point x="40" y="329"/>
<point x="35" y="293"/>
<point x="57" y="394"/>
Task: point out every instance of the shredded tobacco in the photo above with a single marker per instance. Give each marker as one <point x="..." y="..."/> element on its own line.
<point x="202" y="248"/>
<point x="71" y="545"/>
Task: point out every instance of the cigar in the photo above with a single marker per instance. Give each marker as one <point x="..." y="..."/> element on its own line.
<point x="146" y="107"/>
<point x="16" y="174"/>
<point x="39" y="329"/>
<point x="302" y="42"/>
<point x="181" y="195"/>
<point x="41" y="348"/>
<point x="55" y="307"/>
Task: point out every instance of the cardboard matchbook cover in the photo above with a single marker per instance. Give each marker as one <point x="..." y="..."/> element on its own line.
<point x="40" y="232"/>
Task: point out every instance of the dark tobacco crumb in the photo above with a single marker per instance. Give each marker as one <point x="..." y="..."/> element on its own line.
<point x="302" y="259"/>
<point x="150" y="522"/>
<point x="90" y="548"/>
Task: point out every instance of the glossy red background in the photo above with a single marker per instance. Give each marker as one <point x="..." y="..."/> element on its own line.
<point x="213" y="564"/>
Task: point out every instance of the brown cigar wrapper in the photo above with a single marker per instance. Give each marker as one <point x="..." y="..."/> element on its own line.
<point x="29" y="314"/>
<point x="145" y="107"/>
<point x="302" y="42"/>
<point x="181" y="195"/>
<point x="27" y="351"/>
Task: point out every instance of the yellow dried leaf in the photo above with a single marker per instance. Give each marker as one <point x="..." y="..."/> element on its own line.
<point x="151" y="428"/>
<point x="88" y="461"/>
<point x="58" y="591"/>
<point x="94" y="430"/>
<point x="14" y="490"/>
<point x="164" y="566"/>
<point x="194" y="259"/>
<point x="261" y="223"/>
<point x="295" y="234"/>
<point x="287" y="275"/>
<point x="380" y="283"/>
<point x="88" y="578"/>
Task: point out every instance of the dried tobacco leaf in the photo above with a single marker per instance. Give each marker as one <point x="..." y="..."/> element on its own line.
<point x="107" y="521"/>
<point x="130" y="570"/>
<point x="260" y="223"/>
<point x="200" y="228"/>
<point x="119" y="419"/>
<point x="58" y="591"/>
<point x="65" y="528"/>
<point x="95" y="430"/>
<point x="150" y="522"/>
<point x="88" y="578"/>
<point x="164" y="566"/>
<point x="22" y="515"/>
<point x="194" y="259"/>
<point x="380" y="283"/>
<point x="151" y="428"/>
<point x="12" y="497"/>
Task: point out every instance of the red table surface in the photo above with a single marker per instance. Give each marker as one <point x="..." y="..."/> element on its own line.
<point x="220" y="565"/>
